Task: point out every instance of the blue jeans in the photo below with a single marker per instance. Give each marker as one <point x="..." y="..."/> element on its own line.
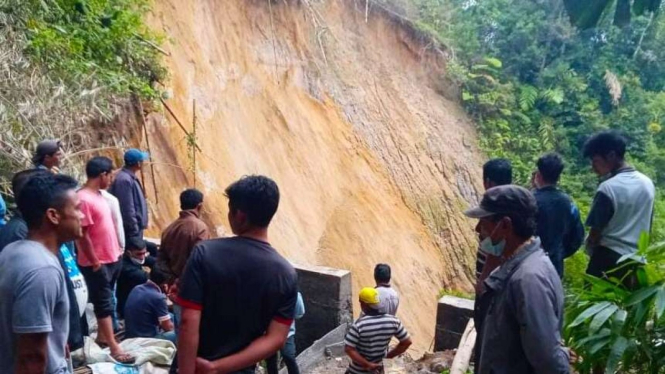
<point x="288" y="353"/>
<point x="167" y="335"/>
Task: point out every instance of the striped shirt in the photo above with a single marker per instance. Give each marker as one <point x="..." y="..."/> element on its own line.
<point x="370" y="336"/>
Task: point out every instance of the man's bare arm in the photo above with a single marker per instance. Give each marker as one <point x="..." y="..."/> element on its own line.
<point x="31" y="356"/>
<point x="261" y="348"/>
<point x="400" y="348"/>
<point x="188" y="340"/>
<point x="87" y="247"/>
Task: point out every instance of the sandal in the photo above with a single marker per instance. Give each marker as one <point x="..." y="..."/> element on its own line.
<point x="124" y="358"/>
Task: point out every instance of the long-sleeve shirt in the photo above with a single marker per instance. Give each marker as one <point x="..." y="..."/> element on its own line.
<point x="559" y="225"/>
<point x="117" y="216"/>
<point x="178" y="240"/>
<point x="521" y="330"/>
<point x="133" y="206"/>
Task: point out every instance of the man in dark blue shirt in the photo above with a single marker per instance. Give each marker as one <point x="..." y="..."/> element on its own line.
<point x="146" y="312"/>
<point x="559" y="224"/>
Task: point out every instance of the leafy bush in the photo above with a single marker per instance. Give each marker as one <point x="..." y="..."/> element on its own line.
<point x="101" y="39"/>
<point x="612" y="327"/>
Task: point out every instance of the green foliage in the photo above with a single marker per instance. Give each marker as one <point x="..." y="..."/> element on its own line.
<point x="456" y="293"/>
<point x="103" y="40"/>
<point x="534" y="84"/>
<point x="612" y="327"/>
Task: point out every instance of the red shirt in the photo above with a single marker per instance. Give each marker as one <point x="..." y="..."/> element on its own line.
<point x="98" y="220"/>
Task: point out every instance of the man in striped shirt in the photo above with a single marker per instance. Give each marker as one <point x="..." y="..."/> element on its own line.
<point x="368" y="338"/>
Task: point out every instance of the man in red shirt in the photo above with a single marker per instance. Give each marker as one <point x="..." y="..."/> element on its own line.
<point x="99" y="251"/>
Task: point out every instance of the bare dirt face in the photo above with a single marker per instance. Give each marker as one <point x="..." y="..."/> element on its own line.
<point x="373" y="162"/>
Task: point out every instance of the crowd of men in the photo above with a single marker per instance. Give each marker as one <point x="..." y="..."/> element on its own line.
<point x="67" y="244"/>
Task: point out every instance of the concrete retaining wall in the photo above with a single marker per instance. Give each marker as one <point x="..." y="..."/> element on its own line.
<point x="328" y="302"/>
<point x="452" y="315"/>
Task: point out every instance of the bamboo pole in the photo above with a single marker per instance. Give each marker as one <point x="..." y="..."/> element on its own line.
<point x="464" y="350"/>
<point x="168" y="109"/>
<point x="147" y="141"/>
<point x="194" y="142"/>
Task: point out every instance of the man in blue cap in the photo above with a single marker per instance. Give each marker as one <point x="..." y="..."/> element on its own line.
<point x="127" y="188"/>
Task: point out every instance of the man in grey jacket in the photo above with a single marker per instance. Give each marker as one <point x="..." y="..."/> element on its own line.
<point x="522" y="303"/>
<point x="127" y="189"/>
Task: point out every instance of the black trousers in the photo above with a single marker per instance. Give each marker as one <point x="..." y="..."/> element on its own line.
<point x="100" y="286"/>
<point x="604" y="264"/>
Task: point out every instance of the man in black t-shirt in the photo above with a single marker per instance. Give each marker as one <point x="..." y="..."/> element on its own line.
<point x="238" y="294"/>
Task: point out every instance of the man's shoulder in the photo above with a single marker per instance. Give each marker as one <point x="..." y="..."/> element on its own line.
<point x="27" y="257"/>
<point x="381" y="319"/>
<point x="536" y="267"/>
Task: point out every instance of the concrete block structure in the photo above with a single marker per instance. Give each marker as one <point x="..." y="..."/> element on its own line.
<point x="328" y="302"/>
<point x="452" y="315"/>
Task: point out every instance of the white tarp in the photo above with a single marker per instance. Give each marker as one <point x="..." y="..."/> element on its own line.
<point x="147" y="351"/>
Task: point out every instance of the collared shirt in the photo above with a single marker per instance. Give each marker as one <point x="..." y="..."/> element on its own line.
<point x="521" y="328"/>
<point x="178" y="240"/>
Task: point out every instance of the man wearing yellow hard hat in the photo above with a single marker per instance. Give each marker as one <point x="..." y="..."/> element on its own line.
<point x="368" y="338"/>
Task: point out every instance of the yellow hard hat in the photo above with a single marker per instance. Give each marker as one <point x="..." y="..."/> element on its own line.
<point x="369" y="295"/>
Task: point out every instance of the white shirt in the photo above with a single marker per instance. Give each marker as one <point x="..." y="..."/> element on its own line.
<point x="117" y="216"/>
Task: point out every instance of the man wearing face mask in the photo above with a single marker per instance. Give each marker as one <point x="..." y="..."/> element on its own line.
<point x="136" y="266"/>
<point x="622" y="209"/>
<point x="523" y="297"/>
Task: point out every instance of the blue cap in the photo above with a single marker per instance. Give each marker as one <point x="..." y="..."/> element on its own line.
<point x="134" y="156"/>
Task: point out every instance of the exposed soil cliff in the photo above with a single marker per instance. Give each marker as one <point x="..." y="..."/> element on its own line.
<point x="348" y="116"/>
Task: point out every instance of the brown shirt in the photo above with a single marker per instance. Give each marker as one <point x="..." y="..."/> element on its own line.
<point x="178" y="240"/>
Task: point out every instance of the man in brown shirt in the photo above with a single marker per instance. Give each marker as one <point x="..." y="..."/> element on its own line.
<point x="181" y="236"/>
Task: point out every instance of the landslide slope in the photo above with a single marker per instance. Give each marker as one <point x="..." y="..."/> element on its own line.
<point x="348" y="114"/>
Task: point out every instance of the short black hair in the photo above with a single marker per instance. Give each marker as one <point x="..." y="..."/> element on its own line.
<point x="21" y="178"/>
<point x="134" y="243"/>
<point x="550" y="167"/>
<point x="524" y="226"/>
<point x="190" y="199"/>
<point x="255" y="195"/>
<point x="604" y="143"/>
<point x="382" y="273"/>
<point x="97" y="166"/>
<point x="499" y="171"/>
<point x="42" y="192"/>
<point x="157" y="276"/>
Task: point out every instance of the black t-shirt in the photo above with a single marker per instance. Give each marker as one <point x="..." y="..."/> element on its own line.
<point x="240" y="285"/>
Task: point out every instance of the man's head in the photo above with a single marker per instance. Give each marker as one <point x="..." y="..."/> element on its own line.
<point x="134" y="159"/>
<point x="137" y="250"/>
<point x="48" y="153"/>
<point x="382" y="273"/>
<point x="100" y="169"/>
<point x="49" y="203"/>
<point x="506" y="218"/>
<point x="497" y="172"/>
<point x="191" y="199"/>
<point x="549" y="170"/>
<point x="21" y="178"/>
<point x="606" y="150"/>
<point x="158" y="277"/>
<point x="369" y="300"/>
<point x="253" y="201"/>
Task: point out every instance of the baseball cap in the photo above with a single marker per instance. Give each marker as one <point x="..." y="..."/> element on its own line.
<point x="134" y="156"/>
<point x="369" y="296"/>
<point x="44" y="148"/>
<point x="507" y="199"/>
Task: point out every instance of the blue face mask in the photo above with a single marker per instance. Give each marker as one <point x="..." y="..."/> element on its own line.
<point x="488" y="247"/>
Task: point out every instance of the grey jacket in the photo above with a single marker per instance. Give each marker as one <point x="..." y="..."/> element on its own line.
<point x="133" y="207"/>
<point x="522" y="322"/>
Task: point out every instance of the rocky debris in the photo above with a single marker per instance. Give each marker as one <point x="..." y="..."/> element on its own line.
<point x="435" y="362"/>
